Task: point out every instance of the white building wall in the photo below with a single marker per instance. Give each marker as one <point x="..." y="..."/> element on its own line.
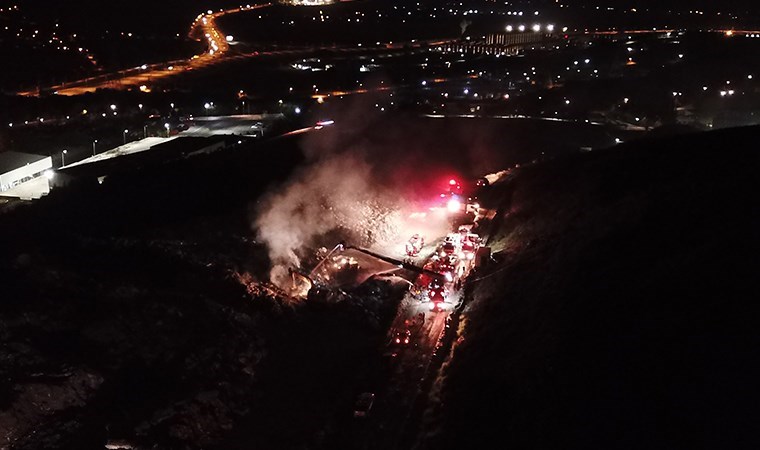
<point x="25" y="173"/>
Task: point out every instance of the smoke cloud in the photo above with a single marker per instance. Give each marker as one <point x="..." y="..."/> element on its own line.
<point x="353" y="192"/>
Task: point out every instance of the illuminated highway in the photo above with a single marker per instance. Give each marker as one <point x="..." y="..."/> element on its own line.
<point x="203" y="28"/>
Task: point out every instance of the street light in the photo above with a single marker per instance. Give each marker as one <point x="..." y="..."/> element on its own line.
<point x="166" y="125"/>
<point x="63" y="157"/>
<point x="124" y="135"/>
<point x="93" y="146"/>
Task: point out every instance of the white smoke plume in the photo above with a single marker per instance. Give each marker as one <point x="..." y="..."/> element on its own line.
<point x="372" y="192"/>
<point x="334" y="198"/>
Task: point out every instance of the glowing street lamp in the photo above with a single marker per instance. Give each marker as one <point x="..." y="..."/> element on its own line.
<point x="124" y="135"/>
<point x="167" y="126"/>
<point x="93" y="146"/>
<point x="63" y="157"/>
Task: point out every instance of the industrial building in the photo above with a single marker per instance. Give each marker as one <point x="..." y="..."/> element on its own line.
<point x="22" y="175"/>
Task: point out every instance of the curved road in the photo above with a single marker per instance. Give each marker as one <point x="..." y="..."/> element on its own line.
<point x="218" y="50"/>
<point x="203" y="27"/>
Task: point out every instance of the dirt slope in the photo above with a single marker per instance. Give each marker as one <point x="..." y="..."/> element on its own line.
<point x="623" y="312"/>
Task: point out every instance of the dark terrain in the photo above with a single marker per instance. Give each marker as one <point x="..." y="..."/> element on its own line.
<point x="620" y="315"/>
<point x="623" y="310"/>
<point x="128" y="314"/>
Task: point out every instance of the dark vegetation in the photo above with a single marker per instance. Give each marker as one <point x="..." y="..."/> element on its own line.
<point x="623" y="312"/>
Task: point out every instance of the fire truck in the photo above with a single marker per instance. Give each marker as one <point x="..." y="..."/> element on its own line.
<point x="437" y="294"/>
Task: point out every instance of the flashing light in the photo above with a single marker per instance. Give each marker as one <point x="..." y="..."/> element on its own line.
<point x="453" y="205"/>
<point x="452" y="182"/>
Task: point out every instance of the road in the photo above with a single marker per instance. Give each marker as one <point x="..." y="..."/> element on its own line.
<point x="409" y="369"/>
<point x="240" y="125"/>
<point x="397" y="406"/>
<point x="204" y="27"/>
